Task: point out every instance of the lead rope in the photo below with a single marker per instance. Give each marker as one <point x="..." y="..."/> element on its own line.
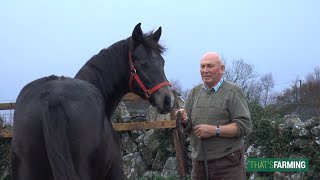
<point x="205" y="160"/>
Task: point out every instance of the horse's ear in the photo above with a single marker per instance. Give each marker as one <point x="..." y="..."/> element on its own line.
<point x="137" y="34"/>
<point x="156" y="35"/>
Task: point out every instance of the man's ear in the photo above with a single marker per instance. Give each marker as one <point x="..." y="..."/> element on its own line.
<point x="223" y="67"/>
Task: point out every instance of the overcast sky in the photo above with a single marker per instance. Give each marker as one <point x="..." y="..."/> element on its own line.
<point x="38" y="38"/>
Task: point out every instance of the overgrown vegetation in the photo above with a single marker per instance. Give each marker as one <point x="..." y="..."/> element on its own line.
<point x="4" y="158"/>
<point x="266" y="134"/>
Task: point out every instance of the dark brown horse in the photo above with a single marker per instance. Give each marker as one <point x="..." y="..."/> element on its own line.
<point x="62" y="126"/>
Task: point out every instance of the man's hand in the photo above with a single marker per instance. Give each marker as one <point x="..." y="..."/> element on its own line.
<point x="204" y="131"/>
<point x="184" y="116"/>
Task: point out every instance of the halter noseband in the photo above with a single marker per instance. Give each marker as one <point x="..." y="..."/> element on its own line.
<point x="146" y="91"/>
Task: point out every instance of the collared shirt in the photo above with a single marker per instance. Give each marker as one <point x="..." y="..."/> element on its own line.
<point x="214" y="88"/>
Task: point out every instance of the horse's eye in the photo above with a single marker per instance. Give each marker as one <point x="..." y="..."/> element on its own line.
<point x="143" y="61"/>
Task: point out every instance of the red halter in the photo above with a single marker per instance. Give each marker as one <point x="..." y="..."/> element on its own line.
<point x="146" y="91"/>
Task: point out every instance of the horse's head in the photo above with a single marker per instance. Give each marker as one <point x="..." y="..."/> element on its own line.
<point x="148" y="79"/>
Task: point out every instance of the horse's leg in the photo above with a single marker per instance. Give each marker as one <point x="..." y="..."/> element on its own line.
<point x="29" y="157"/>
<point x="89" y="145"/>
<point x="90" y="165"/>
<point x="115" y="171"/>
<point x="32" y="165"/>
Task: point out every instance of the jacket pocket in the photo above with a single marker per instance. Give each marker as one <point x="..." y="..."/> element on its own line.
<point x="236" y="157"/>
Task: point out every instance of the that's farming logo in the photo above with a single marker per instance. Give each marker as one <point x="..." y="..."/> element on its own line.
<point x="277" y="164"/>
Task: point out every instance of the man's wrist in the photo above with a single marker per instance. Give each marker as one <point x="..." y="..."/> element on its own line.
<point x="218" y="131"/>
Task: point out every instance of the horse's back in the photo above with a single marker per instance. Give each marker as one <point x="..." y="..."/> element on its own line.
<point x="80" y="100"/>
<point x="59" y="122"/>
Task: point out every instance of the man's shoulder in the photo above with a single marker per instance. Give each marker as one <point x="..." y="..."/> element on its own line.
<point x="196" y="88"/>
<point x="233" y="87"/>
<point x="230" y="85"/>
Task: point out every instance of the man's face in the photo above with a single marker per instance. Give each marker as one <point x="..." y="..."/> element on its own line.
<point x="211" y="70"/>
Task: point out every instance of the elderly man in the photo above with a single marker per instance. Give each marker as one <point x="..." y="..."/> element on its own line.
<point x="217" y="117"/>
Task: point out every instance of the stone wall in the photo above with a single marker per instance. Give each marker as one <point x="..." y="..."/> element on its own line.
<point x="305" y="143"/>
<point x="146" y="154"/>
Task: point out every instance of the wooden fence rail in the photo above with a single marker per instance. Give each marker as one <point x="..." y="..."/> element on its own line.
<point x="161" y="124"/>
<point x="7" y="106"/>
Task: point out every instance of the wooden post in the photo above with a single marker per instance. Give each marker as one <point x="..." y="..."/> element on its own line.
<point x="179" y="145"/>
<point x="179" y="155"/>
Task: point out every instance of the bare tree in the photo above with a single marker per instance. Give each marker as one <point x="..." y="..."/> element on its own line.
<point x="176" y="85"/>
<point x="310" y="96"/>
<point x="303" y="98"/>
<point x="314" y="77"/>
<point x="240" y="72"/>
<point x="254" y="90"/>
<point x="243" y="74"/>
<point x="1" y="122"/>
<point x="267" y="85"/>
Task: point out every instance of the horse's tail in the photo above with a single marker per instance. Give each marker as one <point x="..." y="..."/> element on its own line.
<point x="55" y="127"/>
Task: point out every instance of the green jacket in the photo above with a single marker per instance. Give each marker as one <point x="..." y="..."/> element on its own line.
<point x="223" y="107"/>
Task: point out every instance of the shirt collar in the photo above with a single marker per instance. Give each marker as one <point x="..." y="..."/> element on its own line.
<point x="214" y="88"/>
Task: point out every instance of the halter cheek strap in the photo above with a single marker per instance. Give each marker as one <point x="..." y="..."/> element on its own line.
<point x="135" y="76"/>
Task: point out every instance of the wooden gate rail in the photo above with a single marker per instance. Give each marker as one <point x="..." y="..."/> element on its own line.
<point x="7" y="106"/>
<point x="5" y="133"/>
<point x="161" y="124"/>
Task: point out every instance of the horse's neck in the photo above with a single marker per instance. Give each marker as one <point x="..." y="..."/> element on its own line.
<point x="108" y="71"/>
